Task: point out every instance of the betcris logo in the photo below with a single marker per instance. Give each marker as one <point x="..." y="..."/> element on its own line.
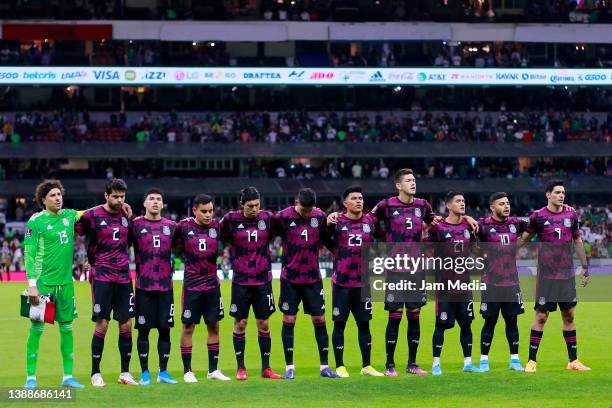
<point x="377" y="77"/>
<point x="9" y="75"/>
<point x="592" y="77"/>
<point x="74" y="75"/>
<point x="562" y="78"/>
<point x="39" y="75"/>
<point x="296" y="75"/>
<point x="319" y="76"/>
<point x="261" y="75"/>
<point x="106" y="75"/>
<point x="504" y="76"/>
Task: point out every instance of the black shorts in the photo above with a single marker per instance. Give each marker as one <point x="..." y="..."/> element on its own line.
<point x="260" y="297"/>
<point x="349" y="300"/>
<point x="202" y="304"/>
<point x="448" y="312"/>
<point x="154" y="309"/>
<point x="553" y="292"/>
<point x="508" y="300"/>
<point x="115" y="297"/>
<point x="311" y="294"/>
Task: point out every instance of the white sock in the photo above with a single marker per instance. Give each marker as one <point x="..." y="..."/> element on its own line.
<point x="66" y="377"/>
<point x="514" y="356"/>
<point x="467" y="360"/>
<point x="436" y="361"/>
<point x="31" y="377"/>
<point x="484" y="358"/>
<point x="323" y="367"/>
<point x="290" y="367"/>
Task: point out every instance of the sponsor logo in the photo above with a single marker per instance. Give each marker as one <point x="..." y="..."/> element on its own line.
<point x="471" y="76"/>
<point x="155" y="75"/>
<point x="422" y="76"/>
<point x="507" y="76"/>
<point x="321" y="75"/>
<point x="533" y="76"/>
<point x="10" y="75"/>
<point x="562" y="78"/>
<point x="74" y="75"/>
<point x="297" y="75"/>
<point x="592" y="77"/>
<point x="181" y="75"/>
<point x="352" y="75"/>
<point x="261" y="75"/>
<point x="106" y="75"/>
<point x="401" y="76"/>
<point x="377" y="77"/>
<point x="219" y="75"/>
<point x="130" y="75"/>
<point x="40" y="75"/>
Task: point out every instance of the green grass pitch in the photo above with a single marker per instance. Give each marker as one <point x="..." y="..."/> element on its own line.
<point x="551" y="386"/>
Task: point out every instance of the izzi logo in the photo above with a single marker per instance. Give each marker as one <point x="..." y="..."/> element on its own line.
<point x="377" y="77"/>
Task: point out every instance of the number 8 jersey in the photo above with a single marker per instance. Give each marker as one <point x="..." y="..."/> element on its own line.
<point x="346" y="239"/>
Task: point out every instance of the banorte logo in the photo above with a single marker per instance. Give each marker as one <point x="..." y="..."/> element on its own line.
<point x="422" y="76"/>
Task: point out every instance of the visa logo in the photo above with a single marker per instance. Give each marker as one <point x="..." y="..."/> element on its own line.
<point x="106" y="75"/>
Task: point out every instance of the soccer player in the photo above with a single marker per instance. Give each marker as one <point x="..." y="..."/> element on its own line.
<point x="49" y="248"/>
<point x="302" y="226"/>
<point x="345" y="239"/>
<point x="557" y="227"/>
<point x="453" y="304"/>
<point x="249" y="233"/>
<point x="152" y="237"/>
<point x="501" y="233"/>
<point x="198" y="240"/>
<point x="107" y="229"/>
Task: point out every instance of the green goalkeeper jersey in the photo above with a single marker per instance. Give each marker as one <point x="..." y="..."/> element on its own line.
<point x="49" y="246"/>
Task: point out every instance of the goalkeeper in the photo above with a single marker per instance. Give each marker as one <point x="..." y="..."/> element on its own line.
<point x="49" y="247"/>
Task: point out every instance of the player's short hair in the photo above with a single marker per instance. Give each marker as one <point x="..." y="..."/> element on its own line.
<point x="451" y="195"/>
<point x="554" y="183"/>
<point x="153" y="190"/>
<point x="43" y="189"/>
<point x="307" y="197"/>
<point x="496" y="196"/>
<point x="248" y="194"/>
<point x="115" y="185"/>
<point x="349" y="190"/>
<point x="202" y="199"/>
<point x="401" y="173"/>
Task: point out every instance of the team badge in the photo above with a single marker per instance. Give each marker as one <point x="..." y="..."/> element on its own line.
<point x="390" y="297"/>
<point x="124" y="221"/>
<point x="187" y="314"/>
<point x="541" y="300"/>
<point x="512" y="229"/>
<point x="443" y="316"/>
<point x="336" y="311"/>
<point x="212" y="233"/>
<point x="417" y="212"/>
<point x="233" y="308"/>
<point x="166" y="230"/>
<point x="466" y="233"/>
<point x="261" y="225"/>
<point x="66" y="222"/>
<point x="424" y="299"/>
<point x="97" y="308"/>
<point x="483" y="307"/>
<point x="285" y="306"/>
<point x="366" y="228"/>
<point x="314" y="223"/>
<point x="567" y="222"/>
<point x="141" y="320"/>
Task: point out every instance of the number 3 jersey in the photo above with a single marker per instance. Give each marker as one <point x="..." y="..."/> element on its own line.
<point x="345" y="240"/>
<point x="556" y="231"/>
<point x="250" y="238"/>
<point x="199" y="245"/>
<point x="107" y="248"/>
<point x="152" y="240"/>
<point x="301" y="242"/>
